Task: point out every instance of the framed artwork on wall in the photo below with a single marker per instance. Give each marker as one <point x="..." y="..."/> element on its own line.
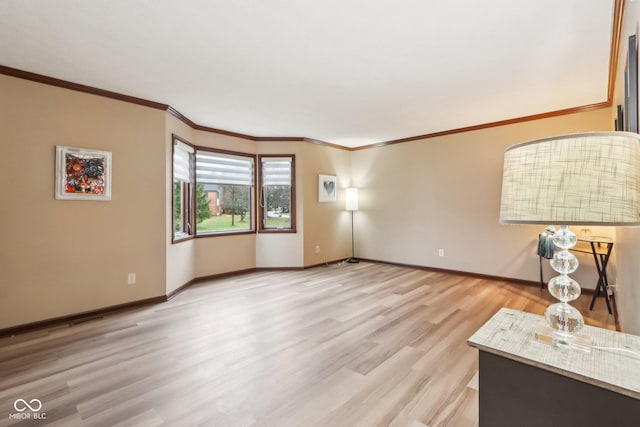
<point x="82" y="174"/>
<point x="327" y="188"/>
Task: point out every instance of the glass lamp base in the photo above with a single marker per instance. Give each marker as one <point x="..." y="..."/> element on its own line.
<point x="564" y="321"/>
<point x="566" y="340"/>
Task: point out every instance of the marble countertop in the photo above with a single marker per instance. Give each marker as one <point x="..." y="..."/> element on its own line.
<point x="613" y="363"/>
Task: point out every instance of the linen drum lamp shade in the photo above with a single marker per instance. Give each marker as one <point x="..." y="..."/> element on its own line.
<point x="586" y="179"/>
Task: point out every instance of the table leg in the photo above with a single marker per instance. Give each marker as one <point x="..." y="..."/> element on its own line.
<point x="603" y="283"/>
<point x="541" y="278"/>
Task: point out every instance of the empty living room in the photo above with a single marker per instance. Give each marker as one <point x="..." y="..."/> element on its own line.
<point x="338" y="213"/>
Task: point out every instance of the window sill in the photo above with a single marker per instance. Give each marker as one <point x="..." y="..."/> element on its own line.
<point x="225" y="233"/>
<point x="278" y="230"/>
<point x="182" y="237"/>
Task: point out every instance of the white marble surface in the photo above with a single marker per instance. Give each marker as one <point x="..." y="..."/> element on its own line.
<point x="613" y="363"/>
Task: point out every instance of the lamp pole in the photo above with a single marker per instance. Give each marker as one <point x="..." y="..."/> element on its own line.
<point x="352" y="260"/>
<point x="352" y="205"/>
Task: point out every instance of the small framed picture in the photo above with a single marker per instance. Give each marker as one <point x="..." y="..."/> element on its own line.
<point x="82" y="174"/>
<point x="327" y="188"/>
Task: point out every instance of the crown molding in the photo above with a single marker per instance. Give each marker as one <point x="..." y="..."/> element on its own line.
<point x="616" y="34"/>
<point x="515" y="120"/>
<point x="52" y="81"/>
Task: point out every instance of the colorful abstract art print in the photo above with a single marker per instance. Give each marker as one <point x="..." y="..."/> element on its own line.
<point x="82" y="174"/>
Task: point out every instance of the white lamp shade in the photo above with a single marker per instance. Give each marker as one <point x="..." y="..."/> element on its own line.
<point x="587" y="178"/>
<point x="352" y="199"/>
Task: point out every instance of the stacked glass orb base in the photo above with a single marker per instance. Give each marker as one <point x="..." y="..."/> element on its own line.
<point x="564" y="320"/>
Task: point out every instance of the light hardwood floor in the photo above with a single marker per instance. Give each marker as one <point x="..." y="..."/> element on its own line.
<point x="344" y="345"/>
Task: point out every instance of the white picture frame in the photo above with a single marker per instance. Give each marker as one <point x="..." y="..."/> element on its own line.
<point x="82" y="174"/>
<point x="327" y="188"/>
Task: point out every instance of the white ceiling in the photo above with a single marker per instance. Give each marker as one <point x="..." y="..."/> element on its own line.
<point x="349" y="72"/>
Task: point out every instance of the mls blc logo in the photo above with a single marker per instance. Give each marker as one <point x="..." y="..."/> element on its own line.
<point x="33" y="405"/>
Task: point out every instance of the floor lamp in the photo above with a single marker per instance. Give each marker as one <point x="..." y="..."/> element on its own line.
<point x="352" y="205"/>
<point x="579" y="179"/>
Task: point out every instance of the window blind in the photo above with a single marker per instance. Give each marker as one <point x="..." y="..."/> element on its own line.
<point x="220" y="168"/>
<point x="182" y="161"/>
<point x="276" y="171"/>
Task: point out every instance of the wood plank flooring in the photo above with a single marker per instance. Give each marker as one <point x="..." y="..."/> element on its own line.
<point x="344" y="345"/>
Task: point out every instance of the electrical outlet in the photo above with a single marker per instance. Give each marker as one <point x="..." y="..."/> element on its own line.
<point x="131" y="278"/>
<point x="440" y="252"/>
<point x="317" y="249"/>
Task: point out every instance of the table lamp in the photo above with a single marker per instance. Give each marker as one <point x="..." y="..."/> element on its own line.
<point x="586" y="179"/>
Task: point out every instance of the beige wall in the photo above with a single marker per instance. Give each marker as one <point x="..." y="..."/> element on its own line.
<point x="275" y="250"/>
<point x="180" y="257"/>
<point x="62" y="257"/>
<point x="217" y="255"/>
<point x="628" y="239"/>
<point x="326" y="225"/>
<point x="444" y="193"/>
